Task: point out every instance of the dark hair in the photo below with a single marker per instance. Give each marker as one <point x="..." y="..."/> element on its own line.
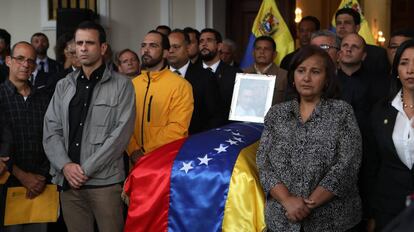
<point x="119" y="54"/>
<point x="189" y="30"/>
<point x="21" y="42"/>
<point x="331" y="89"/>
<point x="350" y="11"/>
<point x="395" y="81"/>
<point x="6" y="36"/>
<point x="217" y="34"/>
<point x="265" y="38"/>
<point x="38" y="34"/>
<point x="182" y="32"/>
<point x="406" y="32"/>
<point x="312" y="19"/>
<point x="164" y="27"/>
<point x="165" y="43"/>
<point x="61" y="44"/>
<point x="91" y="25"/>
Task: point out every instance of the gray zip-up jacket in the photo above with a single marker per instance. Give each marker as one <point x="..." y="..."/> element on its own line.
<point x="106" y="133"/>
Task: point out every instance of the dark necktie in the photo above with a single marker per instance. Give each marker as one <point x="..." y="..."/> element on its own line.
<point x="42" y="66"/>
<point x="210" y="69"/>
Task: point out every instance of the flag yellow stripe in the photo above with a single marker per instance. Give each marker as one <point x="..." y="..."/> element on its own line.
<point x="244" y="210"/>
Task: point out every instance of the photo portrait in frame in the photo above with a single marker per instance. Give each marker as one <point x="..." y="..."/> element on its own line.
<point x="252" y="97"/>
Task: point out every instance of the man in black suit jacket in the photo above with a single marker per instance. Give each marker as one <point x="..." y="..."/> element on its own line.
<point x="46" y="67"/>
<point x="210" y="41"/>
<point x="206" y="114"/>
<point x="376" y="62"/>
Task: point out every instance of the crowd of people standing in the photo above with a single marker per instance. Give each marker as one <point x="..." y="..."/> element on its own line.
<point x="336" y="153"/>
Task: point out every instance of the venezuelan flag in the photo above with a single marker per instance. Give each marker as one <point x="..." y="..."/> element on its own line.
<point x="207" y="182"/>
<point x="269" y="22"/>
<point x="364" y="31"/>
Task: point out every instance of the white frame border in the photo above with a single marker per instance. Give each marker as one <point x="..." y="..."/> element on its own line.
<point x="271" y="80"/>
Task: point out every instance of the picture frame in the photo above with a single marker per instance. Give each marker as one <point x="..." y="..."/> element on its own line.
<point x="252" y="97"/>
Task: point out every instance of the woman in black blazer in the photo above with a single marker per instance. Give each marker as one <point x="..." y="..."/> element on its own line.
<point x="390" y="173"/>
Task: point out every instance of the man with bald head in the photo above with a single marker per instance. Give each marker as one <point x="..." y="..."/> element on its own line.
<point x="349" y="21"/>
<point x="23" y="108"/>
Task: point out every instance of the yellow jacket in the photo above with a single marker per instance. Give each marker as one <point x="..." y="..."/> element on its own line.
<point x="164" y="105"/>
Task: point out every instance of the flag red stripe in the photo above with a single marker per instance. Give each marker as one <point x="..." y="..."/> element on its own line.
<point x="154" y="176"/>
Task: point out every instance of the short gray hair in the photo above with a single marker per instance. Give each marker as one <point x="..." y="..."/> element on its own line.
<point x="327" y="34"/>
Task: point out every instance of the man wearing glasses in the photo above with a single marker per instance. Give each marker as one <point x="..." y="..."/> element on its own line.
<point x="328" y="41"/>
<point x="210" y="42"/>
<point x="23" y="109"/>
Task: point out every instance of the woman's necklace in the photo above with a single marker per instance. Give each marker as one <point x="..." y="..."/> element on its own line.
<point x="404" y="104"/>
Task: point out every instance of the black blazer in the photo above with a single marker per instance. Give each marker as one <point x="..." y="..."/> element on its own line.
<point x="42" y="79"/>
<point x="206" y="114"/>
<point x="388" y="179"/>
<point x="226" y="75"/>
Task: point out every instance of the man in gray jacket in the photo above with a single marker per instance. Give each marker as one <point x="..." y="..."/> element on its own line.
<point x="87" y="127"/>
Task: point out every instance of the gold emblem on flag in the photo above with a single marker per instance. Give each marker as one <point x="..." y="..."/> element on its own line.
<point x="269" y="24"/>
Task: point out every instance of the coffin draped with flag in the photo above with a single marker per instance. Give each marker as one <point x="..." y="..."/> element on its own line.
<point x="207" y="182"/>
<point x="364" y="30"/>
<point x="269" y="22"/>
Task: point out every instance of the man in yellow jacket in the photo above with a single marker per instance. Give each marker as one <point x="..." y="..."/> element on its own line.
<point x="164" y="100"/>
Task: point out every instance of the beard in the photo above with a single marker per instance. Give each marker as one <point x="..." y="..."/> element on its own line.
<point x="149" y="62"/>
<point x="208" y="56"/>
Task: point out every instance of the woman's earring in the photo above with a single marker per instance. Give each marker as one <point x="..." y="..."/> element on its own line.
<point x="398" y="77"/>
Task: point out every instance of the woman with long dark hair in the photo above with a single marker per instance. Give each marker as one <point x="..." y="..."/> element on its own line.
<point x="391" y="159"/>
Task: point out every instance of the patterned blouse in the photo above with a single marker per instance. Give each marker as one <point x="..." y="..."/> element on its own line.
<point x="324" y="151"/>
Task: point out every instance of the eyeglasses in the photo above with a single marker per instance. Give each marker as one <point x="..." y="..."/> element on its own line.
<point x="327" y="47"/>
<point x="21" y="59"/>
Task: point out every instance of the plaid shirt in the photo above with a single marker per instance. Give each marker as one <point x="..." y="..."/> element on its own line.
<point x="25" y="117"/>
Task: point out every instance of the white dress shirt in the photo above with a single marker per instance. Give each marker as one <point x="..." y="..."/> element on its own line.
<point x="213" y="66"/>
<point x="403" y="134"/>
<point x="182" y="70"/>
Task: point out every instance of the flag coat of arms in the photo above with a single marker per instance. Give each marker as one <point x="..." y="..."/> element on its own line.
<point x="364" y="30"/>
<point x="269" y="22"/>
<point x="206" y="182"/>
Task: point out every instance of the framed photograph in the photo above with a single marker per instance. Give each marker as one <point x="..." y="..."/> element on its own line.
<point x="252" y="97"/>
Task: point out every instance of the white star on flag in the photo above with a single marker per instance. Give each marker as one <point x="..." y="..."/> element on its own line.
<point x="238" y="139"/>
<point x="232" y="142"/>
<point x="186" y="167"/>
<point x="236" y="134"/>
<point x="204" y="160"/>
<point x="221" y="149"/>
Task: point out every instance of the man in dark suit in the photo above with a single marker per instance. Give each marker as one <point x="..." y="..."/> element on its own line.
<point x="206" y="114"/>
<point x="4" y="51"/>
<point x="193" y="51"/>
<point x="46" y="67"/>
<point x="210" y="41"/>
<point x="376" y="62"/>
<point x="306" y="27"/>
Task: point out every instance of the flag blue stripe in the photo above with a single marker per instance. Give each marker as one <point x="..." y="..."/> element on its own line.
<point x="248" y="54"/>
<point x="198" y="197"/>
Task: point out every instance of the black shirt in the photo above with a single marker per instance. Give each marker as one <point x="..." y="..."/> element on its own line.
<point x="78" y="110"/>
<point x="355" y="89"/>
<point x="24" y="117"/>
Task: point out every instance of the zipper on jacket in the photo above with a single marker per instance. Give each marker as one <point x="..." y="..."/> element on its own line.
<point x="143" y="111"/>
<point x="149" y="109"/>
